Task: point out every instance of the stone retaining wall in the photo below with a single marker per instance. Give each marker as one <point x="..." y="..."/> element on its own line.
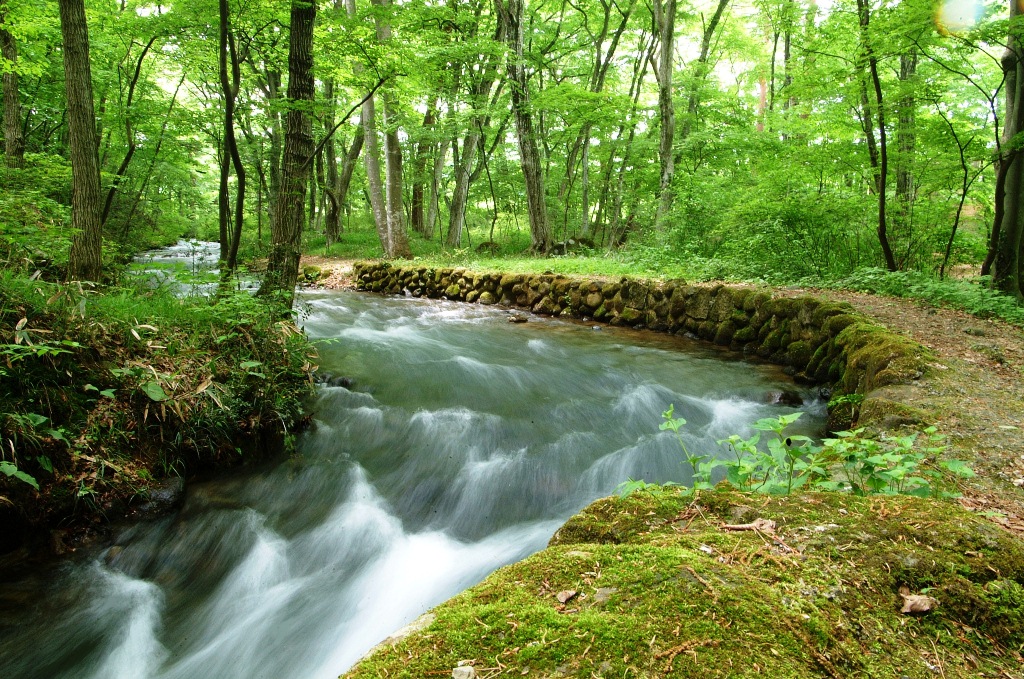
<point x="821" y="342"/>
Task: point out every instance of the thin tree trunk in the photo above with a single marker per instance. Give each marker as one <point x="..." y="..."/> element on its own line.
<point x="85" y="259"/>
<point x="906" y="143"/>
<point x="665" y="23"/>
<point x="433" y="207"/>
<point x="348" y="166"/>
<point x="330" y="151"/>
<point x="512" y="13"/>
<point x="864" y="13"/>
<point x="129" y="134"/>
<point x="152" y="160"/>
<point x="398" y="238"/>
<point x="419" y="171"/>
<point x="14" y="140"/>
<point x="288" y="217"/>
<point x="460" y="193"/>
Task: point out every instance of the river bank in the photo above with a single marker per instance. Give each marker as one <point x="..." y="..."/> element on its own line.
<point x="111" y="398"/>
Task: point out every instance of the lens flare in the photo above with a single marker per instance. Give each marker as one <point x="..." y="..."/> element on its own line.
<point x="957" y="16"/>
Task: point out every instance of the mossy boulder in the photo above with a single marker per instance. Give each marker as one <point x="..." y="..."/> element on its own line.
<point x="658" y="585"/>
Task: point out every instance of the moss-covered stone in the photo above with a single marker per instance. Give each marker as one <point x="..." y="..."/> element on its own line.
<point x="661" y="588"/>
<point x="725" y="332"/>
<point x="798" y="354"/>
<point x="744" y="335"/>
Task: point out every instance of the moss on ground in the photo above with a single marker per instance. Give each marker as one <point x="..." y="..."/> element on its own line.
<point x="663" y="589"/>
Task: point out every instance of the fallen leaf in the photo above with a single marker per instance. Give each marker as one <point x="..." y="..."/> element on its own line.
<point x="917" y="603"/>
<point x="566" y="595"/>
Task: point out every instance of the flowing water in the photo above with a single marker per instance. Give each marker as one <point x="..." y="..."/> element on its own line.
<point x="462" y="444"/>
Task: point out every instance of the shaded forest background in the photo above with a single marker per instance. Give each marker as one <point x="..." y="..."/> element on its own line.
<point x="775" y="140"/>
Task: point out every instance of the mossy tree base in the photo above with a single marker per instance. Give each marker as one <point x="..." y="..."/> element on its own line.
<point x="663" y="589"/>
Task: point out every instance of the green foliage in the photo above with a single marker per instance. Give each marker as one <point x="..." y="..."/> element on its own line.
<point x="117" y="401"/>
<point x="701" y="466"/>
<point x="781" y="463"/>
<point x="973" y="296"/>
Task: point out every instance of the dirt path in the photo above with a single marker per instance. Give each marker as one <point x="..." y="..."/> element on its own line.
<point x="975" y="390"/>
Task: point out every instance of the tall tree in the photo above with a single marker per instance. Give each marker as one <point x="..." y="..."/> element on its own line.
<point x="230" y="80"/>
<point x="85" y="259"/>
<point x="289" y="209"/>
<point x="868" y="51"/>
<point x="512" y="14"/>
<point x="398" y="238"/>
<point x="1006" y="270"/>
<point x="665" y="27"/>
<point x="14" y="140"/>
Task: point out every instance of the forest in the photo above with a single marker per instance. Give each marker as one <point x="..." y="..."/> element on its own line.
<point x="710" y="207"/>
<point x="767" y="140"/>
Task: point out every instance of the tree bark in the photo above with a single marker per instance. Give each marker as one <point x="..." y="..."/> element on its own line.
<point x="906" y="145"/>
<point x="1006" y="267"/>
<point x="85" y="259"/>
<point x="665" y="24"/>
<point x="14" y="140"/>
<point x="420" y="169"/>
<point x="287" y="220"/>
<point x="398" y="238"/>
<point x="512" y="13"/>
<point x="331" y="156"/>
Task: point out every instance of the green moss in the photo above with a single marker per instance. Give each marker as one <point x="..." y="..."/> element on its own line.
<point x="744" y="335"/>
<point x="663" y="590"/>
<point x="630" y="316"/>
<point x="726" y="331"/>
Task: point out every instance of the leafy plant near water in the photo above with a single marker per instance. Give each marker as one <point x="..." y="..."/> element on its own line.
<point x="770" y="461"/>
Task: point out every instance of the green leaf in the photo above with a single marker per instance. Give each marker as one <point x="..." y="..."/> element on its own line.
<point x="154" y="391"/>
<point x="10" y="470"/>
<point x="248" y="365"/>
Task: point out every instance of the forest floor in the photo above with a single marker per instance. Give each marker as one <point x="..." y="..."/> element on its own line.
<point x="975" y="391"/>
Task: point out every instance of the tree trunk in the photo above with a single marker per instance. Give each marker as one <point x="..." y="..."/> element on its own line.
<point x="906" y="145"/>
<point x="460" y="194"/>
<point x="512" y="13"/>
<point x="122" y="170"/>
<point x="864" y="13"/>
<point x="14" y="140"/>
<point x="433" y="207"/>
<point x="288" y="217"/>
<point x="420" y="169"/>
<point x="348" y="166"/>
<point x="1006" y="268"/>
<point x="85" y="259"/>
<point x="276" y="136"/>
<point x="331" y="153"/>
<point x="665" y="24"/>
<point x="398" y="238"/>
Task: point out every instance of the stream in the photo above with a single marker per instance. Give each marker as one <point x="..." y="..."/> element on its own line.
<point x="462" y="444"/>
